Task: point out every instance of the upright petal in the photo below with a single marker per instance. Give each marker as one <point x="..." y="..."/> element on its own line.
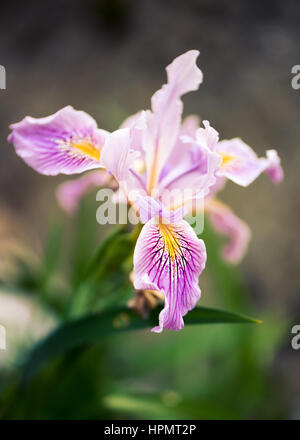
<point x="66" y="142"/>
<point x="190" y="125"/>
<point x="196" y="173"/>
<point x="228" y="224"/>
<point x="169" y="258"/>
<point x="195" y="176"/>
<point x="131" y="120"/>
<point x="118" y="158"/>
<point x="163" y="124"/>
<point x="180" y="155"/>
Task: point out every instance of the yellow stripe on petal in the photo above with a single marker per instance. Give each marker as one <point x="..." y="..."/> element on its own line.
<point x="139" y="166"/>
<point x="227" y="158"/>
<point x="170" y="239"/>
<point x="88" y="149"/>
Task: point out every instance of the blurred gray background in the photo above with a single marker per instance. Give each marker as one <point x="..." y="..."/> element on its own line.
<point x="108" y="57"/>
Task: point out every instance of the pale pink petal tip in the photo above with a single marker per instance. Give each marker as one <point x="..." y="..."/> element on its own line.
<point x="274" y="169"/>
<point x="238" y="243"/>
<point x="237" y="232"/>
<point x="184" y="72"/>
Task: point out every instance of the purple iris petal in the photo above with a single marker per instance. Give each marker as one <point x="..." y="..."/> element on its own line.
<point x="170" y="258"/>
<point x="67" y="142"/>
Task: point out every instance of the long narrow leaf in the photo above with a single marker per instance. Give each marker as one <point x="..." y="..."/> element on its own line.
<point x="93" y="328"/>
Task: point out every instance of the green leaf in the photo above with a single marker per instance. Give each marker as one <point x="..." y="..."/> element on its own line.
<point x="51" y="255"/>
<point x="205" y="315"/>
<point x="151" y="407"/>
<point x="93" y="328"/>
<point x="85" y="236"/>
<point x="111" y="253"/>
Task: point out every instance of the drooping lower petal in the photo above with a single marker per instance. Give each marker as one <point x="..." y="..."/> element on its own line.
<point x="169" y="258"/>
<point x="226" y="223"/>
<point x="71" y="192"/>
<point x="66" y="142"/>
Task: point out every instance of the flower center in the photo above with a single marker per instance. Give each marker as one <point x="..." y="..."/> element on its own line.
<point x="87" y="148"/>
<point x="227" y="158"/>
<point x="170" y="240"/>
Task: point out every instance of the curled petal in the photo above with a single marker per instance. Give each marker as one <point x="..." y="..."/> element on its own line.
<point x="228" y="224"/>
<point x="169" y="258"/>
<point x="207" y="137"/>
<point x="183" y="75"/>
<point x="70" y="193"/>
<point x="66" y="142"/>
<point x="273" y="167"/>
<point x="149" y="208"/>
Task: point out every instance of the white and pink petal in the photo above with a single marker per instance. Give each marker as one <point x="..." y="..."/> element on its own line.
<point x="196" y="176"/>
<point x="163" y="123"/>
<point x="119" y="158"/>
<point x="239" y="162"/>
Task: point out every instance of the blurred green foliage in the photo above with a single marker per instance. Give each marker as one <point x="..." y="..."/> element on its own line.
<point x="90" y="368"/>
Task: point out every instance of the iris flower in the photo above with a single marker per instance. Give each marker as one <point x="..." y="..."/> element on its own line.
<point x="152" y="155"/>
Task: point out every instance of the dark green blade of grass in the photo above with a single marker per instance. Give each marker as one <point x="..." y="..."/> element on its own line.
<point x="93" y="328"/>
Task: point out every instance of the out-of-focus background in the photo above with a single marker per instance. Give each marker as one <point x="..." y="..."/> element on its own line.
<point x="107" y="57"/>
